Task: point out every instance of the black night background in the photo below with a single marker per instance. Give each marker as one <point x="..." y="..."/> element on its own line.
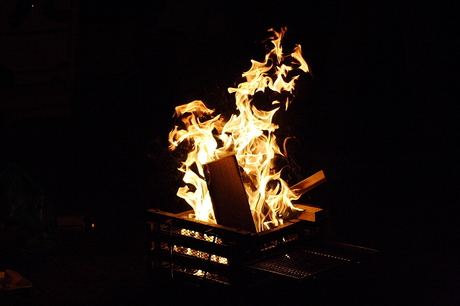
<point x="87" y="94"/>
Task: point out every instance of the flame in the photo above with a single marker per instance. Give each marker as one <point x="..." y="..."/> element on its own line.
<point x="249" y="134"/>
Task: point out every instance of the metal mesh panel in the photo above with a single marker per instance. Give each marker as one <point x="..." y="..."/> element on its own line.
<point x="275" y="243"/>
<point x="198" y="273"/>
<point x="196" y="253"/>
<point x="219" y="259"/>
<point x="191" y="252"/>
<point x="217" y="278"/>
<point x="338" y="250"/>
<point x="290" y="238"/>
<point x="191" y="233"/>
<point x="269" y="245"/>
<point x="297" y="264"/>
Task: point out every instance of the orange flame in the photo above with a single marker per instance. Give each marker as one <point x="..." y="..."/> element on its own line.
<point x="249" y="134"/>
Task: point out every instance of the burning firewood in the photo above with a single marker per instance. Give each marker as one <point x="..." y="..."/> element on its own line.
<point x="230" y="202"/>
<point x="229" y="199"/>
<point x="309" y="183"/>
<point x="309" y="213"/>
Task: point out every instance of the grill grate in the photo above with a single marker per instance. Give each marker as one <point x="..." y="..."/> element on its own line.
<point x="312" y="259"/>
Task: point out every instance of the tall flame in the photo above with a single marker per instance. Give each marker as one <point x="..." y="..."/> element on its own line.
<point x="249" y="134"/>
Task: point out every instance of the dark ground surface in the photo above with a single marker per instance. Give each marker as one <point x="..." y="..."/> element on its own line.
<point x="110" y="268"/>
<point x="378" y="116"/>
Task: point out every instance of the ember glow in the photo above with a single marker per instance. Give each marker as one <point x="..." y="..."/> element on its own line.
<point x="249" y="134"/>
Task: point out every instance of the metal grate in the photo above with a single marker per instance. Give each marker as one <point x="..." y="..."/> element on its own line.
<point x="196" y="253"/>
<point x="198" y="273"/>
<point x="311" y="259"/>
<point x="278" y="242"/>
<point x="191" y="233"/>
<point x="342" y="251"/>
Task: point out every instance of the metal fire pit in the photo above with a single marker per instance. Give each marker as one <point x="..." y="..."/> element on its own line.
<point x="199" y="252"/>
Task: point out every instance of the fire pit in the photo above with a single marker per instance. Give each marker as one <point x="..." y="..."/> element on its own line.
<point x="185" y="248"/>
<point x="245" y="222"/>
<point x="200" y="252"/>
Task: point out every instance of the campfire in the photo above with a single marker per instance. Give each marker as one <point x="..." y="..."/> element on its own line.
<point x="219" y="146"/>
<point x="242" y="209"/>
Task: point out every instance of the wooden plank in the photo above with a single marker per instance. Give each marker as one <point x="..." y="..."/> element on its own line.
<point x="309" y="183"/>
<point x="229" y="199"/>
<point x="309" y="213"/>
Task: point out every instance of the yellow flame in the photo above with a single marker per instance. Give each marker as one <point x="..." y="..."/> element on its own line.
<point x="249" y="134"/>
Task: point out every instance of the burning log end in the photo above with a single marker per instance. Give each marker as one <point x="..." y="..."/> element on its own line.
<point x="309" y="183"/>
<point x="307" y="212"/>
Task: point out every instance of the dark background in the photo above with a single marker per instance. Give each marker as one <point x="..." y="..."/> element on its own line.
<point x="88" y="90"/>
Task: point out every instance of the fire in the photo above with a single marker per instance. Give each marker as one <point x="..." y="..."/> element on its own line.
<point x="249" y="134"/>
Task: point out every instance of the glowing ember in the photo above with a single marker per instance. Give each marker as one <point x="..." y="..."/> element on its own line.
<point x="248" y="134"/>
